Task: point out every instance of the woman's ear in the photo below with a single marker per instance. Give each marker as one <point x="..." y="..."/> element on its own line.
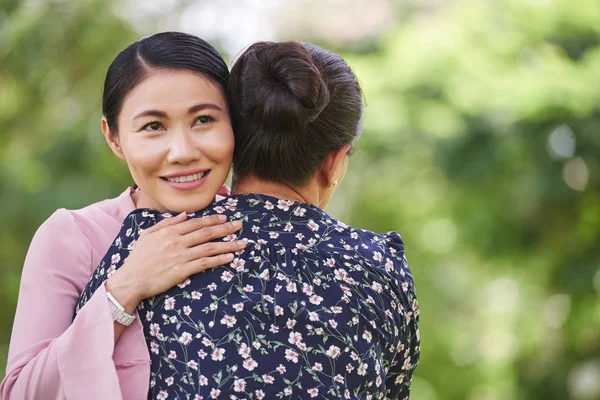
<point x="333" y="167"/>
<point x="112" y="139"/>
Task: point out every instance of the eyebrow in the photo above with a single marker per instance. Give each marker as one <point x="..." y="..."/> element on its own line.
<point x="191" y="110"/>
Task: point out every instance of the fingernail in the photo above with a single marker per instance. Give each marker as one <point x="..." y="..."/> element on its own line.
<point x="222" y="218"/>
<point x="242" y="242"/>
<point x="237" y="224"/>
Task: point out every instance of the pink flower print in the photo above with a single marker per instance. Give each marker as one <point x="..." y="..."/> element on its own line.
<point x="330" y="262"/>
<point x="317" y="281"/>
<point x="273" y="235"/>
<point x="244" y="350"/>
<point x="313" y="316"/>
<point x="268" y="379"/>
<point x="278" y="311"/>
<point x="259" y="394"/>
<point x="338" y="378"/>
<point x="377" y="256"/>
<point x="169" y="303"/>
<point x="317" y="367"/>
<point x="290" y="323"/>
<point x="169" y="381"/>
<point x="218" y="354"/>
<point x="213" y="307"/>
<point x="264" y="275"/>
<point x="274" y="329"/>
<point x="203" y="380"/>
<point x="287" y="391"/>
<point x="172" y="355"/>
<point x="239" y="385"/>
<point x="333" y="351"/>
<point x="295" y="338"/>
<point x="196" y="295"/>
<point x="340" y="274"/>
<point x="299" y="211"/>
<point x="268" y="298"/>
<point x="154" y="347"/>
<point x="376" y="286"/>
<point x="187" y="310"/>
<point x="256" y="344"/>
<point x="219" y="209"/>
<point x="333" y="323"/>
<point x="250" y="364"/>
<point x="131" y="245"/>
<point x="255" y="229"/>
<point x="299" y="236"/>
<point x="314" y="392"/>
<point x="284" y="204"/>
<point x="226" y="276"/>
<point x="202" y="354"/>
<point x="291" y="355"/>
<point x="184" y="283"/>
<point x="313" y="226"/>
<point x="214" y="393"/>
<point x="336" y="309"/>
<point x="212" y="287"/>
<point x="193" y="365"/>
<point x="228" y="320"/>
<point x="238" y="307"/>
<point x="349" y="368"/>
<point x="378" y="380"/>
<point x="367" y="336"/>
<point x="238" y="264"/>
<point x="248" y="288"/>
<point x="288" y="227"/>
<point x="269" y="205"/>
<point x="291" y="287"/>
<point x="362" y="369"/>
<point x="154" y="329"/>
<point x="281" y="368"/>
<point x="115" y="258"/>
<point x="307" y="289"/>
<point x="316" y="299"/>
<point x="185" y="338"/>
<point x="162" y="395"/>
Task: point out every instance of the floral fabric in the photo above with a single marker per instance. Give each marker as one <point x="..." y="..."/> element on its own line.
<point x="312" y="308"/>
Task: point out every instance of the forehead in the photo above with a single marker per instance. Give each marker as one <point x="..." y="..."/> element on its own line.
<point x="172" y="90"/>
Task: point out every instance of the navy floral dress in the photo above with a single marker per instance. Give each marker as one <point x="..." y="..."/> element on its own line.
<point x="312" y="308"/>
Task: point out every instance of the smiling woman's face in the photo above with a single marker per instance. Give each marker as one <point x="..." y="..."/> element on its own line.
<point x="175" y="134"/>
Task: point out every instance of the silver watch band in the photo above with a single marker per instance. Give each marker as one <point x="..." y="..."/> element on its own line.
<point x="118" y="311"/>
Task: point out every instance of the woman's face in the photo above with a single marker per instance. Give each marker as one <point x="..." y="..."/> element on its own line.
<point x="175" y="134"/>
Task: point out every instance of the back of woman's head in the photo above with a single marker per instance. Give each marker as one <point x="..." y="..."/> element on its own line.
<point x="162" y="51"/>
<point x="291" y="104"/>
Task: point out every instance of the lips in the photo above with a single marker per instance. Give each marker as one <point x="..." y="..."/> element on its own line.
<point x="186" y="180"/>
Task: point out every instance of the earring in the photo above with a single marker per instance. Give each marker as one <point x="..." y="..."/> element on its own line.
<point x="334" y="183"/>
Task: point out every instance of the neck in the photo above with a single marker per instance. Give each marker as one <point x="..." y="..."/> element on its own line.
<point x="308" y="194"/>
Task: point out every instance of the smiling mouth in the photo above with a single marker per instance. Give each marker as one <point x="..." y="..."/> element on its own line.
<point x="186" y="178"/>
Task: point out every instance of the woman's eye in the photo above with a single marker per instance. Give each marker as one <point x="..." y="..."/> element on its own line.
<point x="204" y="119"/>
<point x="152" y="126"/>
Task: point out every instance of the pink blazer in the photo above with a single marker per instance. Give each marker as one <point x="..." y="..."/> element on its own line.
<point x="53" y="357"/>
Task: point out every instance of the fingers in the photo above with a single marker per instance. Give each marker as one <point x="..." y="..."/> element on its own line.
<point x="209" y="233"/>
<point x="201" y="264"/>
<point x="167" y="222"/>
<point x="194" y="224"/>
<point x="214" y="248"/>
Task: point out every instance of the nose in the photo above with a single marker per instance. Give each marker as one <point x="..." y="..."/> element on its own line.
<point x="182" y="148"/>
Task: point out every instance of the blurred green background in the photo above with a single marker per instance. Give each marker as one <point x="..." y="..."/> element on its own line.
<point x="481" y="146"/>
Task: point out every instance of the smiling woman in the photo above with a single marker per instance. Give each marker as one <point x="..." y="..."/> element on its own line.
<point x="176" y="137"/>
<point x="165" y="115"/>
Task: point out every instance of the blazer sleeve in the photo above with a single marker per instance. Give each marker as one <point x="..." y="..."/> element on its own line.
<point x="52" y="356"/>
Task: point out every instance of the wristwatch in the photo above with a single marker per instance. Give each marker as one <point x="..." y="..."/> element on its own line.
<point x="118" y="311"/>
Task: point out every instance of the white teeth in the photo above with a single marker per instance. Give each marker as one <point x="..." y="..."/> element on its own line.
<point x="188" y="178"/>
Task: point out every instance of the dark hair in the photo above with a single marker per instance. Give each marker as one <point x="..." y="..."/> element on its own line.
<point x="167" y="50"/>
<point x="290" y="105"/>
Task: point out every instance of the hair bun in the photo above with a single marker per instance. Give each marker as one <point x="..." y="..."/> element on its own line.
<point x="283" y="89"/>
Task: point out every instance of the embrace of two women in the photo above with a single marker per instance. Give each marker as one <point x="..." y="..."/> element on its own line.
<point x="181" y="289"/>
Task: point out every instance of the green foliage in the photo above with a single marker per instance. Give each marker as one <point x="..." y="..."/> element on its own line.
<point x="501" y="223"/>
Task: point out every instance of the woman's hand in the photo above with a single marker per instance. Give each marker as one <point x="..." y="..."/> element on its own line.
<point x="168" y="253"/>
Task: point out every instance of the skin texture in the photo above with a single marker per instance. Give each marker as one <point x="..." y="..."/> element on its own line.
<point x="319" y="189"/>
<point x="163" y="129"/>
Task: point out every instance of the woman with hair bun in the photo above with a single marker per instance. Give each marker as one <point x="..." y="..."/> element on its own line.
<point x="312" y="307"/>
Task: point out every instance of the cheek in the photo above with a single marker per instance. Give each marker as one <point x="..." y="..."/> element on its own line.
<point x="143" y="156"/>
<point x="218" y="146"/>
